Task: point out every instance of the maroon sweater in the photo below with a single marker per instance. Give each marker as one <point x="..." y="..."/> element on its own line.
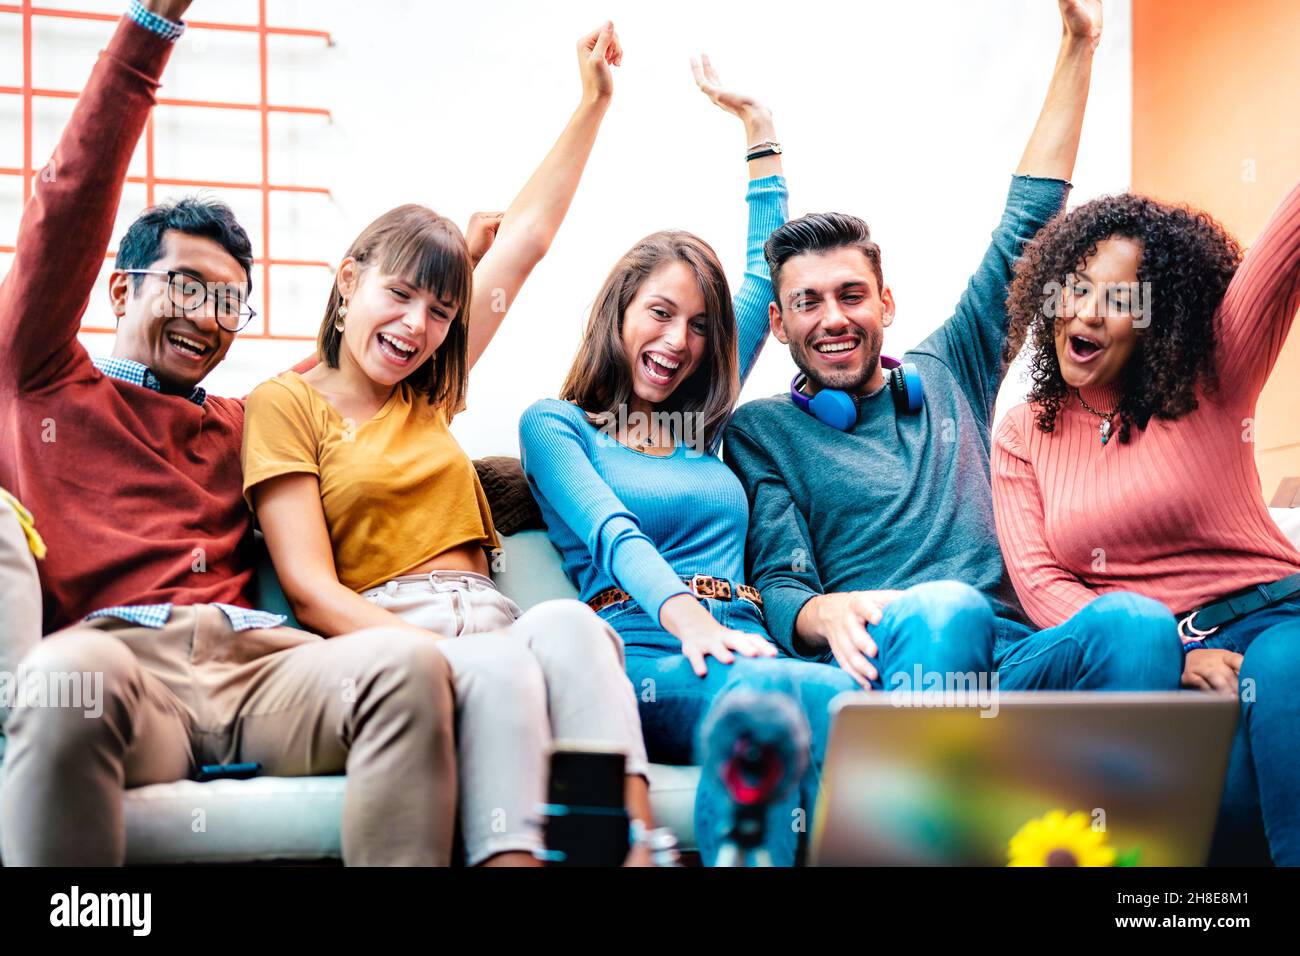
<point x="137" y="494"/>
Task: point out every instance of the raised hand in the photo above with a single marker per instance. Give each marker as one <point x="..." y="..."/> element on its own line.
<point x="756" y="117"/>
<point x="733" y="101"/>
<point x="598" y="51"/>
<point x="1082" y="19"/>
<point x="481" y="232"/>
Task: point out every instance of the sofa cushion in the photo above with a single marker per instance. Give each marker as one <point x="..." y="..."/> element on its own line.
<point x="1288" y="519"/>
<point x="513" y="506"/>
<point x="297" y="818"/>
<point x="20" y="598"/>
<point x="230" y="821"/>
<point x="528" y="570"/>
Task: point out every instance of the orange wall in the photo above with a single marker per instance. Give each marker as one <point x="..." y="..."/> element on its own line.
<point x="1216" y="123"/>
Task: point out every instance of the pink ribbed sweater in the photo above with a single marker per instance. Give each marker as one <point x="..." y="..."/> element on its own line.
<point x="1176" y="514"/>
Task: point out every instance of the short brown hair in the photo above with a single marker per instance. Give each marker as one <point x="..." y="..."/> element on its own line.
<point x="429" y="252"/>
<point x="600" y="380"/>
<point x="820" y="232"/>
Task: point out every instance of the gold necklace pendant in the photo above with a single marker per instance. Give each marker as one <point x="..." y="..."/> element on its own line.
<point x="1104" y="428"/>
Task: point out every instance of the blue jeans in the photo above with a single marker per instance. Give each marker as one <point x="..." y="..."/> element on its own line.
<point x="941" y="627"/>
<point x="1260" y="814"/>
<point x="1119" y="641"/>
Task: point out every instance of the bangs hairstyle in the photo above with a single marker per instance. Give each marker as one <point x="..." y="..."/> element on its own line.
<point x="1187" y="257"/>
<point x="600" y="380"/>
<point x="428" y="251"/>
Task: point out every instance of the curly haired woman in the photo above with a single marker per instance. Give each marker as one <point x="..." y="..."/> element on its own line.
<point x="1131" y="467"/>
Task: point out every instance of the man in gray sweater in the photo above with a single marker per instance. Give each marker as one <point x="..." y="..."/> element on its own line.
<point x="894" y="514"/>
<point x="871" y="532"/>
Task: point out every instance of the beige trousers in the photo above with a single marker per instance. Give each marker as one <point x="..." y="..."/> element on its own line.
<point x="521" y="680"/>
<point x="376" y="703"/>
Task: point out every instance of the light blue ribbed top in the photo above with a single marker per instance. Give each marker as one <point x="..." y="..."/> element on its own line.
<point x="622" y="518"/>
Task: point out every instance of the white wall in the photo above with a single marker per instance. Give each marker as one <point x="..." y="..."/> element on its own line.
<point x="911" y="115"/>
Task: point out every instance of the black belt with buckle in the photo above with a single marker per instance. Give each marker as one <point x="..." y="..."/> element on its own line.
<point x="1204" y="621"/>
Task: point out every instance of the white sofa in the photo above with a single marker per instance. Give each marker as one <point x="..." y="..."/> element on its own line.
<point x="297" y="818"/>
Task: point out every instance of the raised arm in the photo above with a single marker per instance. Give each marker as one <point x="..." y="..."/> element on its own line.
<point x="971" y="342"/>
<point x="1261" y="303"/>
<point x="767" y="199"/>
<point x="68" y="223"/>
<point x="1048" y="592"/>
<point x="528" y="227"/>
<point x="1054" y="143"/>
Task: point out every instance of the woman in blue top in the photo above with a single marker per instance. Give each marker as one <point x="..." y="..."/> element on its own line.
<point x="650" y="523"/>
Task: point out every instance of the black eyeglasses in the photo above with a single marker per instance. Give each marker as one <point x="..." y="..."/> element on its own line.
<point x="190" y="295"/>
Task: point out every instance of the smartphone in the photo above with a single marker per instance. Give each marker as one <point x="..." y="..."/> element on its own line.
<point x="228" y="771"/>
<point x="584" y="819"/>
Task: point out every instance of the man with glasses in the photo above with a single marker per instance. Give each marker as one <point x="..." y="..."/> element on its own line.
<point x="132" y="473"/>
<point x="178" y="290"/>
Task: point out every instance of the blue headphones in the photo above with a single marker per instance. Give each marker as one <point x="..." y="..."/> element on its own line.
<point x="840" y="409"/>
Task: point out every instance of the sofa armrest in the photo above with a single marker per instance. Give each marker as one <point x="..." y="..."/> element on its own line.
<point x="20" y="596"/>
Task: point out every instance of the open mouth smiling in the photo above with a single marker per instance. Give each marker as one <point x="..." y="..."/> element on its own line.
<point x="837" y="349"/>
<point x="187" y="346"/>
<point x="1083" y="348"/>
<point x="397" y="350"/>
<point x="659" y="368"/>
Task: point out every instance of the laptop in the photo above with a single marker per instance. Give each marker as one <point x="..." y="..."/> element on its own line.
<point x="951" y="785"/>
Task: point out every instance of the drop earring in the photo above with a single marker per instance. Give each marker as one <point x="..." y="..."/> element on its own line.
<point x="342" y="314"/>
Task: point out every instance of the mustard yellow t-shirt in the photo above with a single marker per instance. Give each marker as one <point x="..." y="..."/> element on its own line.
<point x="397" y="490"/>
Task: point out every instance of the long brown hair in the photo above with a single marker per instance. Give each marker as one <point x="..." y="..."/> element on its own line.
<point x="429" y="252"/>
<point x="600" y="380"/>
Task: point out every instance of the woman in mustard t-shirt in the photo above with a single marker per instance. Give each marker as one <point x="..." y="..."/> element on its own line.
<point x="374" y="516"/>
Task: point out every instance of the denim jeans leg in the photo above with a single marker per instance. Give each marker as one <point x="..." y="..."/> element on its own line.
<point x="1119" y="641"/>
<point x="1239" y="836"/>
<point x="1260" y="814"/>
<point x="1271" y="669"/>
<point x="941" y="627"/>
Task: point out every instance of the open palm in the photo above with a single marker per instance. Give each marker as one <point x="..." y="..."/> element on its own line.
<point x="707" y="79"/>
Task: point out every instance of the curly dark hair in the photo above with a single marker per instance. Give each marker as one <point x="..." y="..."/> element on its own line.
<point x="1187" y="257"/>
